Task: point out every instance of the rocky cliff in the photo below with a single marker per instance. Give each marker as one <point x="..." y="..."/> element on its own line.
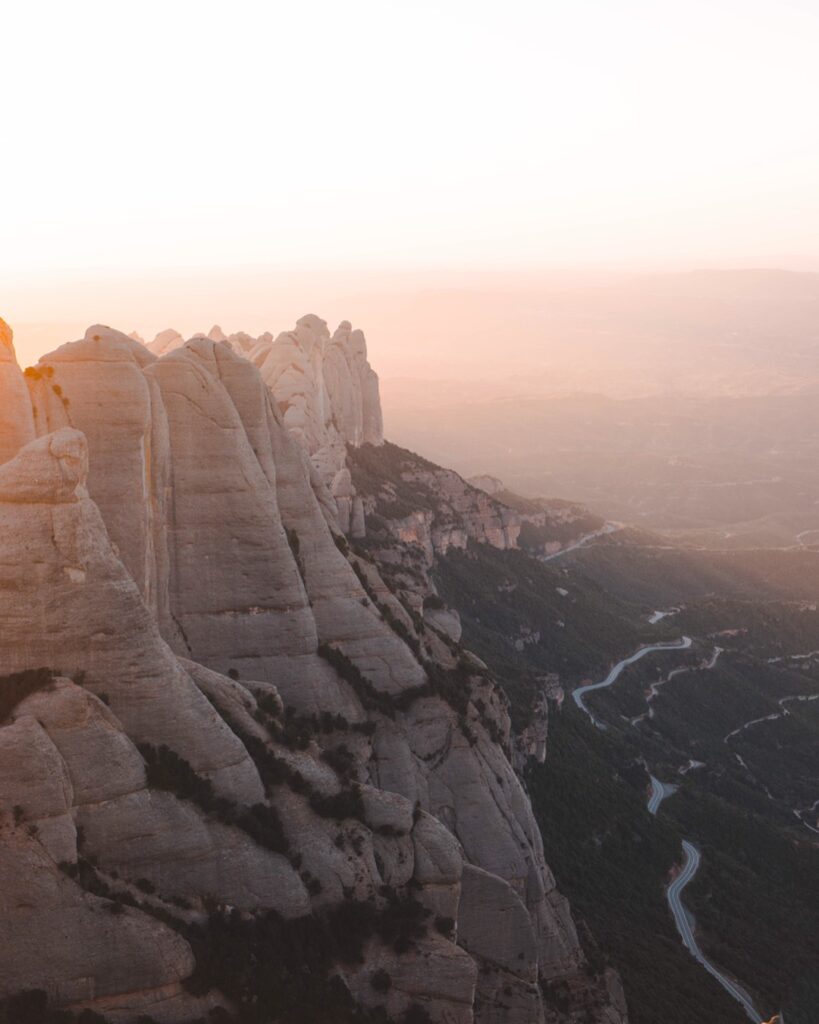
<point x="241" y="778"/>
<point x="328" y="398"/>
<point x="325" y="391"/>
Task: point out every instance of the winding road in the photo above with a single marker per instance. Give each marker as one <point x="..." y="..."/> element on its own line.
<point x="682" y="919"/>
<point x="612" y="677"/>
<point x="684" y="923"/>
<point x="774" y="715"/>
<point x="582" y="541"/>
<point x="659" y="792"/>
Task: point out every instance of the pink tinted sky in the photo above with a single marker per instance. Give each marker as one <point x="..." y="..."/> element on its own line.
<point x="188" y="163"/>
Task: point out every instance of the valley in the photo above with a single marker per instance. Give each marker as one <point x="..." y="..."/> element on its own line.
<point x="671" y="715"/>
<point x="465" y="671"/>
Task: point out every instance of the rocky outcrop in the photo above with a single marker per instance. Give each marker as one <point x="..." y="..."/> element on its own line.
<point x="546" y="525"/>
<point x="414" y="512"/>
<point x="485" y="482"/>
<point x="165" y="342"/>
<point x="494" y="926"/>
<point x="531" y="742"/>
<point x="16" y="418"/>
<point x="181" y="536"/>
<point x="104" y="960"/>
<point x="81" y="810"/>
<point x="413" y="501"/>
<point x="325" y="391"/>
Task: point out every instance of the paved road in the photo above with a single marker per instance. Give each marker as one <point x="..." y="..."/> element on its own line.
<point x="685" y="927"/>
<point x="712" y="661"/>
<point x="659" y="792"/>
<point x="655" y="687"/>
<point x="614" y="674"/>
<point x="582" y="541"/>
<point x="774" y="715"/>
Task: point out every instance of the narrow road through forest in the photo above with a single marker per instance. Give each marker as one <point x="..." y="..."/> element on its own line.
<point x="685" y="926"/>
<point x="659" y="792"/>
<point x="614" y="674"/>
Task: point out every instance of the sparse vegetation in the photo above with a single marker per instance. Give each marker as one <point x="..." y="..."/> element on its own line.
<point x="15" y="688"/>
<point x="277" y="969"/>
<point x="167" y="770"/>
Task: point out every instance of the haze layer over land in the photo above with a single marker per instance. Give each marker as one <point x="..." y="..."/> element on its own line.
<point x="678" y="401"/>
<point x="198" y="156"/>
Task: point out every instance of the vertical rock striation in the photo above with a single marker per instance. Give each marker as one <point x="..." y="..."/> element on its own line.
<point x="170" y="524"/>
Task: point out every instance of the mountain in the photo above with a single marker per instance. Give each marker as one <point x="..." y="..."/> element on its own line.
<point x="298" y="696"/>
<point x="326" y="393"/>
<point x="244" y="781"/>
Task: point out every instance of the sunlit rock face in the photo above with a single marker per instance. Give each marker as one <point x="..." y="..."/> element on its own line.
<point x="166" y="528"/>
<point x="217" y="334"/>
<point x="324" y="387"/>
<point x="198" y="483"/>
<point x="16" y="419"/>
<point x="75" y="785"/>
<point x="325" y="391"/>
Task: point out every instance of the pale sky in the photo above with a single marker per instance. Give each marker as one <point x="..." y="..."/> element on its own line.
<point x="170" y="141"/>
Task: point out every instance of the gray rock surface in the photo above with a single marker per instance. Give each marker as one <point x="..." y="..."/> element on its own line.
<point x="324" y="389"/>
<point x="166" y="528"/>
<point x="71" y="769"/>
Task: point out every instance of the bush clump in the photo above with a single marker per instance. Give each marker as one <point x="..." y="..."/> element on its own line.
<point x="168" y="771"/>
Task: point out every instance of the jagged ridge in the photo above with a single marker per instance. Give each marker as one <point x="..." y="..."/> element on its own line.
<point x="236" y="564"/>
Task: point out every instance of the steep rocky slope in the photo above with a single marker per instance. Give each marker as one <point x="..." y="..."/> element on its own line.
<point x="225" y="742"/>
<point x="325" y="391"/>
<point x="420" y="518"/>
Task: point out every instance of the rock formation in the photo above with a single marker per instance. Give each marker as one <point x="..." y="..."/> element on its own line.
<point x="326" y="393"/>
<point x="490" y="484"/>
<point x="214" y="707"/>
<point x="430" y="507"/>
<point x="165" y="341"/>
<point x="16" y="416"/>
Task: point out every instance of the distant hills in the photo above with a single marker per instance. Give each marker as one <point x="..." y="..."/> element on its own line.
<point x="682" y="402"/>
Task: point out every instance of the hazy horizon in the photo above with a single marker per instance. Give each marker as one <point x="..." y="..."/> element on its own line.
<point x="196" y="164"/>
<point x="414" y="685"/>
<point x="419" y="325"/>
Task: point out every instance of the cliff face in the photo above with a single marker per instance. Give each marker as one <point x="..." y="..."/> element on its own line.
<point x="16" y="418"/>
<point x="419" y="503"/>
<point x="238" y="718"/>
<point x="324" y="389"/>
